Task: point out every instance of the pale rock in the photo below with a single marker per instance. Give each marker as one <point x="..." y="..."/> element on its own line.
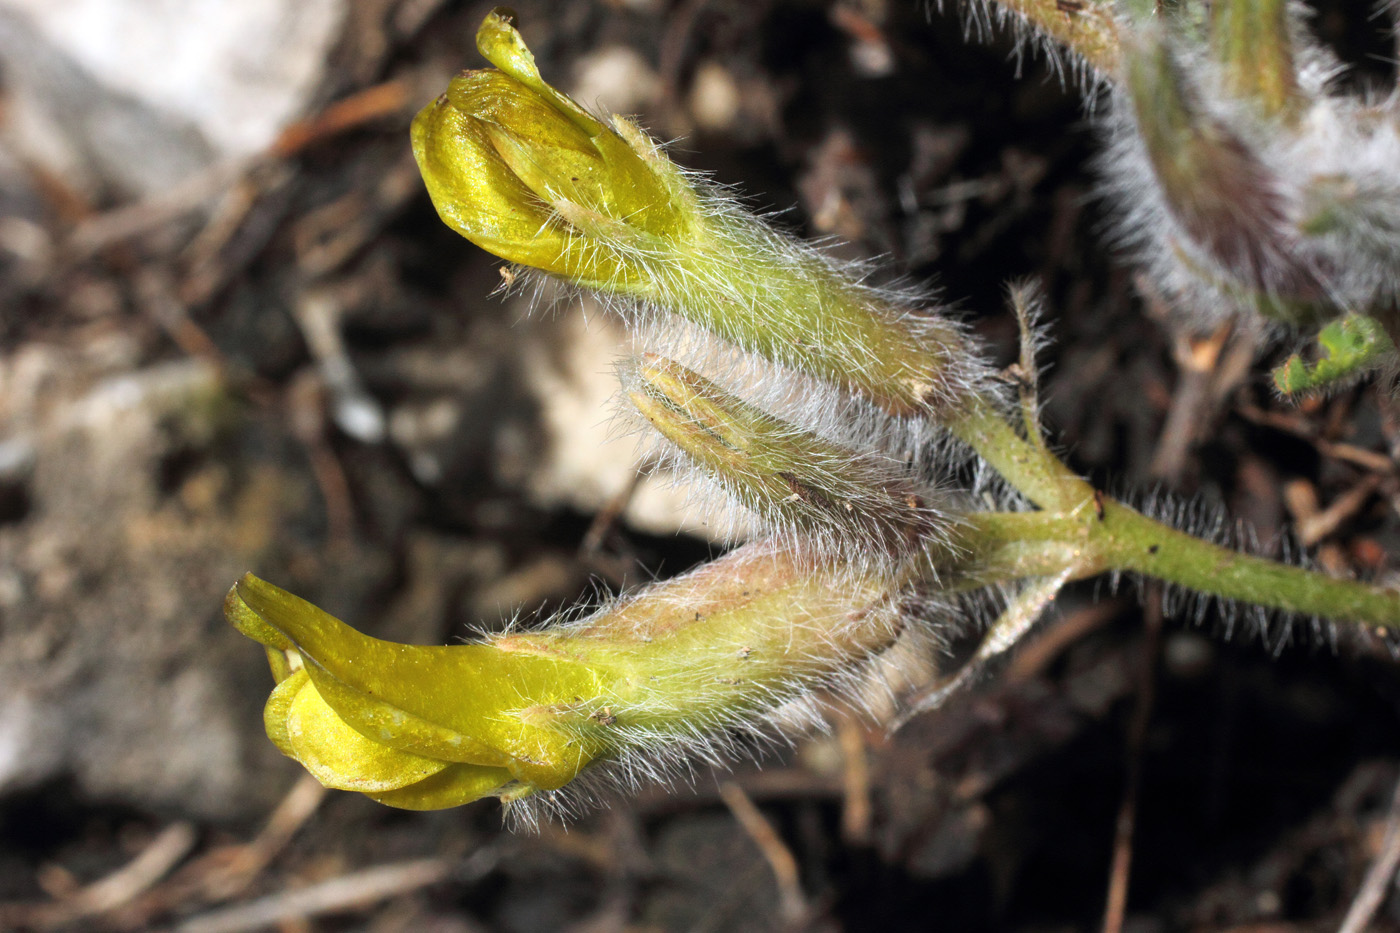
<point x="116" y="669"/>
<point x="615" y="79"/>
<point x="714" y="98"/>
<point x="139" y="93"/>
<point x="569" y="365"/>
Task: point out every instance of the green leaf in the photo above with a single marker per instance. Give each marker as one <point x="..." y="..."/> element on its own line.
<point x="1349" y="347"/>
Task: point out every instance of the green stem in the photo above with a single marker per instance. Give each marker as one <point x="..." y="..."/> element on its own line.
<point x="1128" y="540"/>
<point x="1005" y="546"/>
<point x="1087" y="28"/>
<point x="1002" y="547"/>
<point x="1035" y="472"/>
<point x="1086" y="532"/>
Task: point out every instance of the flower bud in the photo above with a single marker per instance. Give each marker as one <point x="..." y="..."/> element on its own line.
<point x="527" y="174"/>
<point x="1251" y="41"/>
<point x="1248" y="186"/>
<point x="1230" y="230"/>
<point x="516" y="167"/>
<point x="862" y="506"/>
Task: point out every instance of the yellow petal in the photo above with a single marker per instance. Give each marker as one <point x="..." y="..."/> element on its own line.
<point x="451" y="787"/>
<point x="501" y="44"/>
<point x="279" y="708"/>
<point x="461" y="703"/>
<point x="339" y="757"/>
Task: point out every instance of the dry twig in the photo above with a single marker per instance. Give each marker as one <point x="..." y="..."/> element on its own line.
<point x="855" y="775"/>
<point x="1380" y="877"/>
<point x="1119" y="873"/>
<point x="348" y="892"/>
<point x="247" y="861"/>
<point x="793" y="904"/>
<point x="121" y="887"/>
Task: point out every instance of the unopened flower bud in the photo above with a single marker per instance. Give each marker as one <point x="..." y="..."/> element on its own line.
<point x="863" y="506"/>
<point x="529" y="175"/>
<point x="1228" y="229"/>
<point x="515" y="166"/>
<point x="1251" y="42"/>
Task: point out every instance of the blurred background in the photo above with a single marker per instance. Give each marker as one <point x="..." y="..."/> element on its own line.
<point x="234" y="336"/>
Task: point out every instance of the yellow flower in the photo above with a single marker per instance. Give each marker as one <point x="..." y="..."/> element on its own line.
<point x="411" y="726"/>
<point x="661" y="672"/>
<point x="305" y="727"/>
<point x="527" y="174"/>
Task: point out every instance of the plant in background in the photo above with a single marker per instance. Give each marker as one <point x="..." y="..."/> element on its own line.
<point x="1244" y="181"/>
<point x="894" y="477"/>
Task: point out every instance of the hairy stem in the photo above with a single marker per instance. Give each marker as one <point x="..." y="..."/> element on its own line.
<point x="1129" y="540"/>
<point x="1005" y="546"/>
<point x="1027" y="465"/>
<point x="1086" y="27"/>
